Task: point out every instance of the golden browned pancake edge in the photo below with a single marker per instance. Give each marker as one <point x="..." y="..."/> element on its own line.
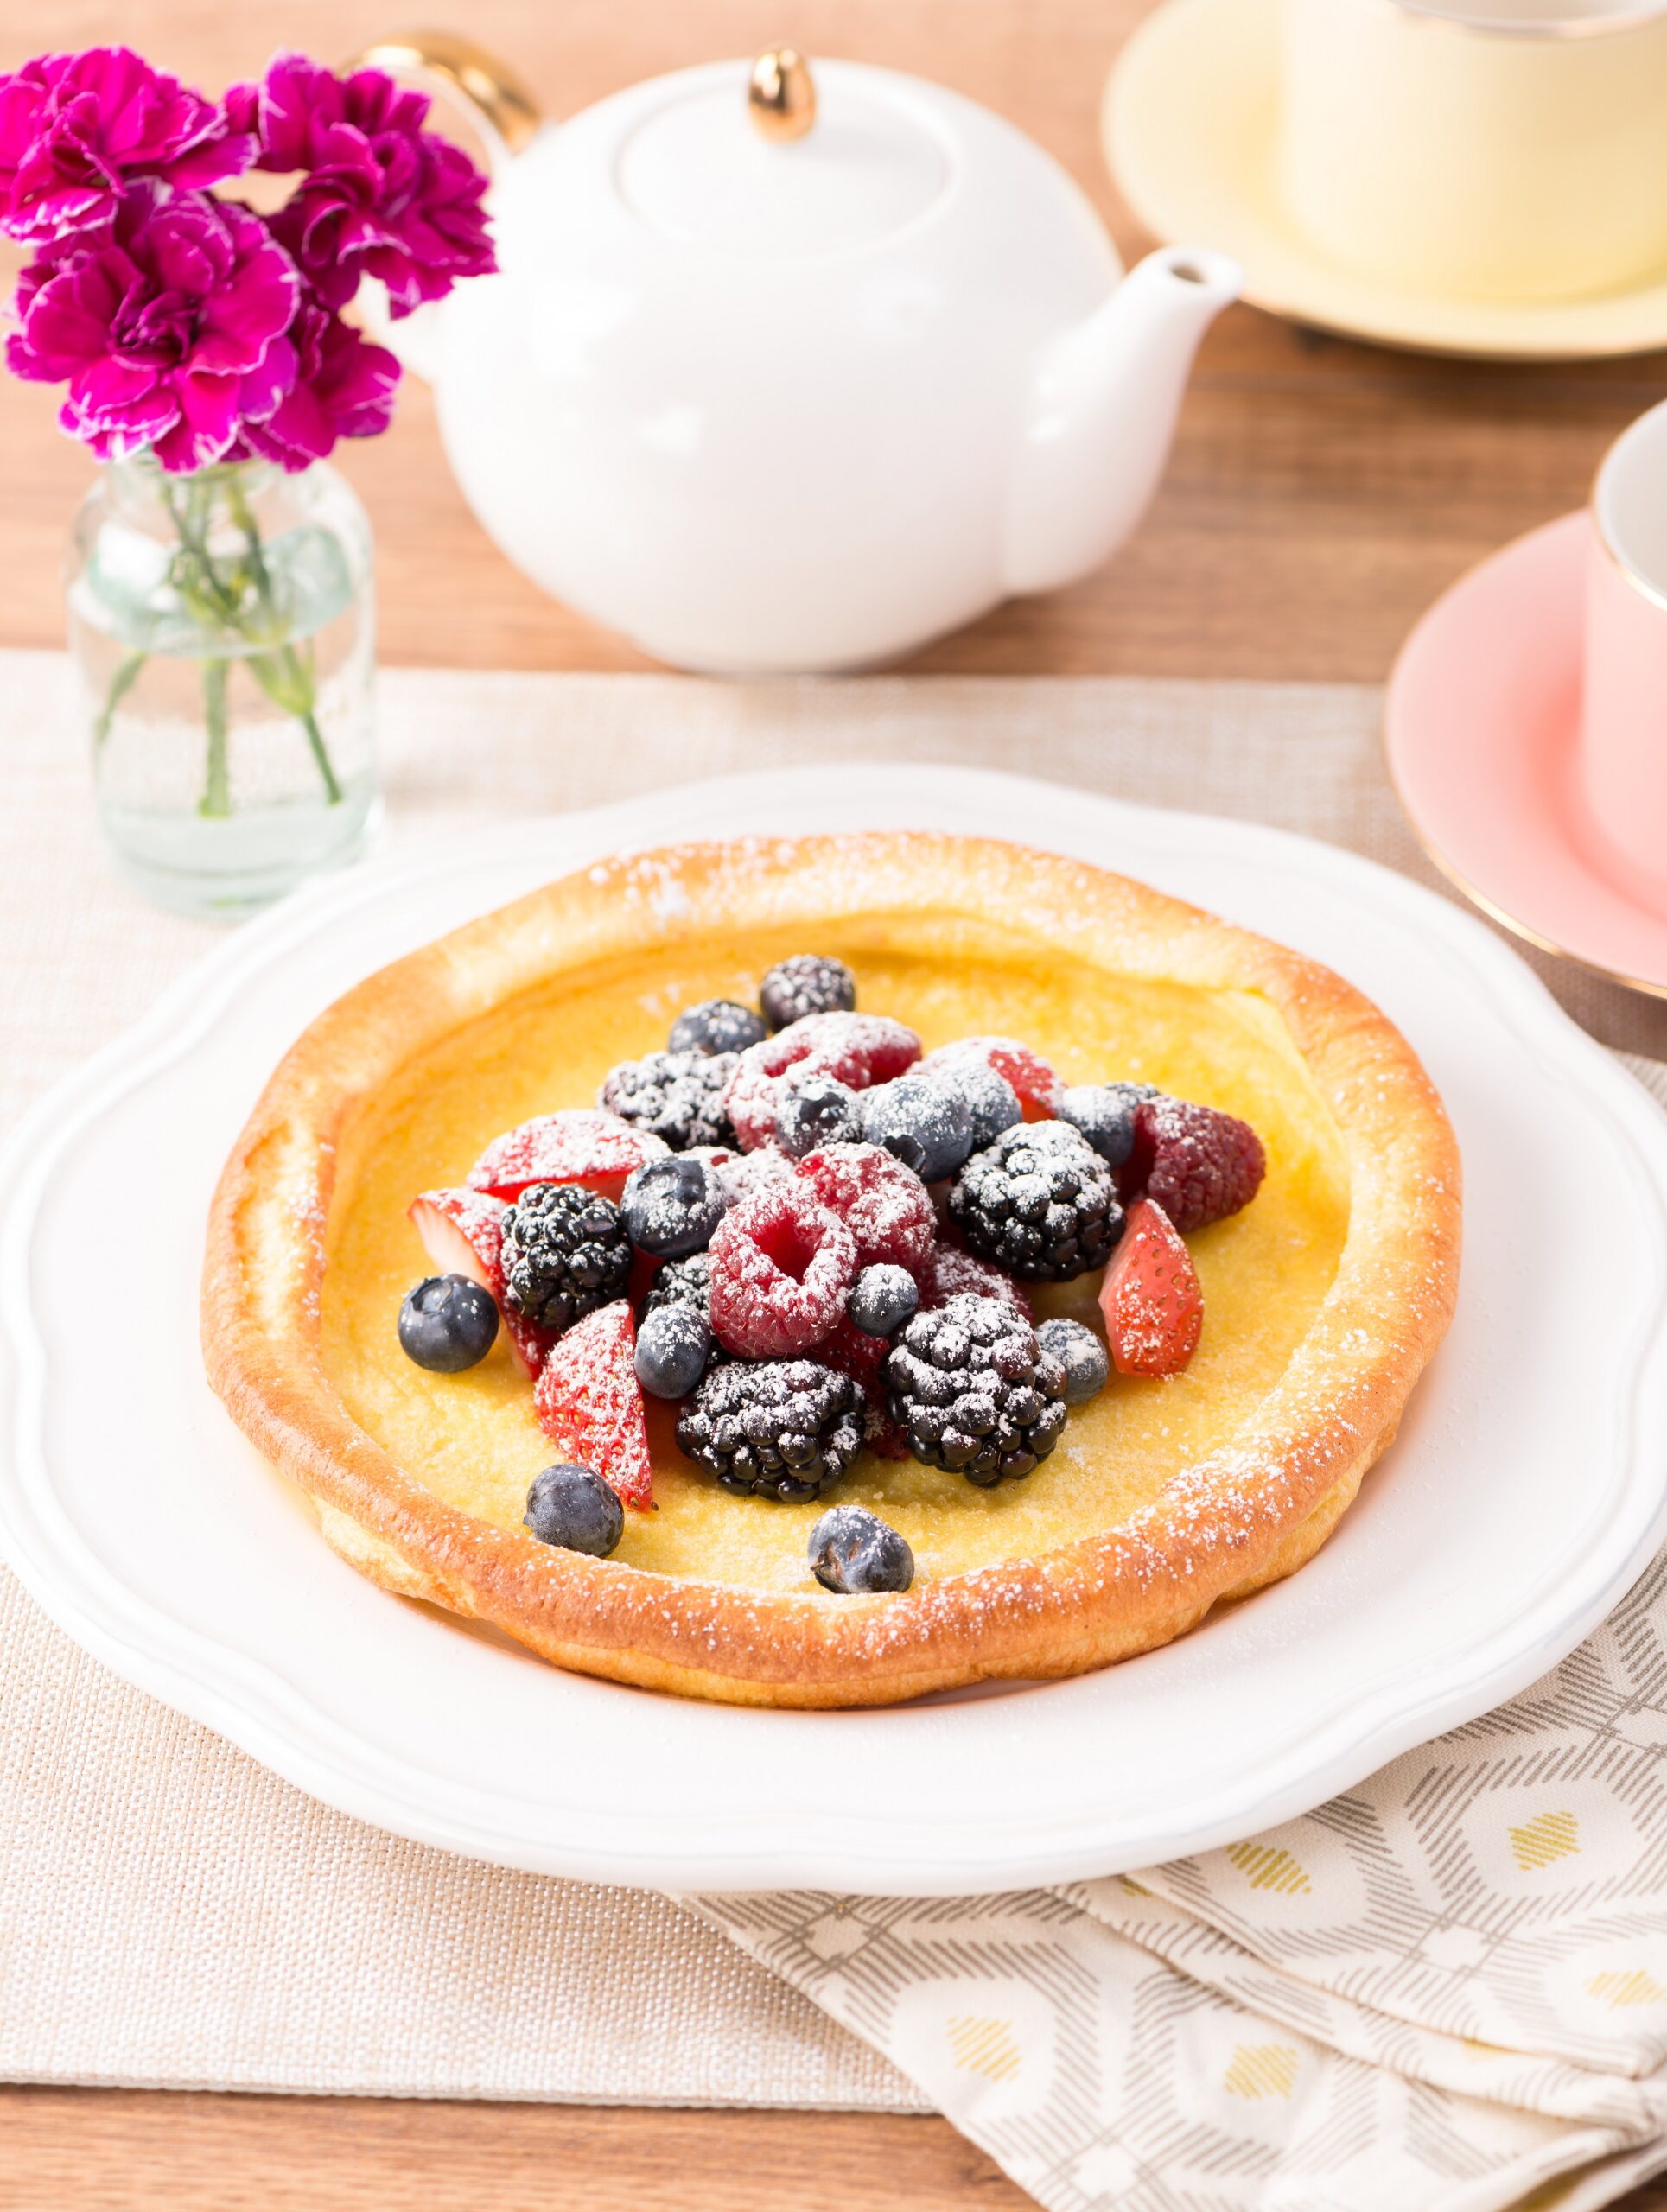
<point x="1244" y="1515"/>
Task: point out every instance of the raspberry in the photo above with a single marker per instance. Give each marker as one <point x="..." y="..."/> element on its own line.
<point x="1039" y="1088"/>
<point x="855" y="1049"/>
<point x="1199" y="1165"/>
<point x="578" y="1145"/>
<point x="950" y="1272"/>
<point x="743" y="1172"/>
<point x="781" y="1266"/>
<point x="1153" y="1305"/>
<point x="884" y="1203"/>
<point x="462" y="1232"/>
<point x="590" y="1403"/>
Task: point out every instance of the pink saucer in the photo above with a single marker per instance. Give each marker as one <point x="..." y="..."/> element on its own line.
<point x="1480" y="727"/>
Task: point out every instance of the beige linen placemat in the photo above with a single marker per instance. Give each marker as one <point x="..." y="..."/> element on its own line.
<point x="171" y="1914"/>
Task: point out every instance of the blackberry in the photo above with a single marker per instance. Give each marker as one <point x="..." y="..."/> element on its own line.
<point x="682" y="1283"/>
<point x="782" y="1428"/>
<point x="677" y="1096"/>
<point x="1040" y="1202"/>
<point x="565" y="1253"/>
<point x="808" y="983"/>
<point x="974" y="1392"/>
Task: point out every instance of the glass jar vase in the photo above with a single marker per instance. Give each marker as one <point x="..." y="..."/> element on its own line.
<point x="222" y="626"/>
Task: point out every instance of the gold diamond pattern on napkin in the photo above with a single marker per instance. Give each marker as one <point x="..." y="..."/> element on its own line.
<point x="1444" y="1990"/>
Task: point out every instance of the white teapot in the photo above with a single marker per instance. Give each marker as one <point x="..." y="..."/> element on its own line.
<point x="780" y="376"/>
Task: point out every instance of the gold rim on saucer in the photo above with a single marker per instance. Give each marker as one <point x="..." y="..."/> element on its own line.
<point x="1439" y="860"/>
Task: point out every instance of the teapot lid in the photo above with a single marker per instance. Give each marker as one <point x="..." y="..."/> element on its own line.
<point x="780" y="167"/>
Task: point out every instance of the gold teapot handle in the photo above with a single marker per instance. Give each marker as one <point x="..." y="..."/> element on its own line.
<point x="489" y="93"/>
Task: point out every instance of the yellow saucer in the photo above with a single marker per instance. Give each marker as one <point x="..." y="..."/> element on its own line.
<point x="1189" y="126"/>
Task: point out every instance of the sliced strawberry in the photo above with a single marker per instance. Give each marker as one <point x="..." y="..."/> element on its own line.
<point x="462" y="1232"/>
<point x="1038" y="1088"/>
<point x="1198" y="1164"/>
<point x="1153" y="1306"/>
<point x="590" y="1402"/>
<point x="858" y="1050"/>
<point x="579" y="1145"/>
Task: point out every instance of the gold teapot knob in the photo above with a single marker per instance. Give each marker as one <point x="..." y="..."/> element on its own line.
<point x="780" y="95"/>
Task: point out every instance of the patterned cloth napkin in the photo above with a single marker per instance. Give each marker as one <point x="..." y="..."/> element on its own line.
<point x="1440" y="1993"/>
<point x="1443" y="1992"/>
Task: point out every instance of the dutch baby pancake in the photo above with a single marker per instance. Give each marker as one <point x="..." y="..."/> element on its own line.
<point x="819" y="1272"/>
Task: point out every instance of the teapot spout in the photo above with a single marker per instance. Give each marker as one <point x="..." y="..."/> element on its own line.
<point x="1102" y="413"/>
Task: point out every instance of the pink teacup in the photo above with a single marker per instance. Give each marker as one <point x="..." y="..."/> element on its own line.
<point x="1623" y="731"/>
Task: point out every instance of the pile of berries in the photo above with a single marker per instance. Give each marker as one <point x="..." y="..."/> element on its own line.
<point x="808" y="1236"/>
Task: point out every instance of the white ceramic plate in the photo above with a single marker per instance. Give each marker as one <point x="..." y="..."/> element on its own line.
<point x="1525" y="1491"/>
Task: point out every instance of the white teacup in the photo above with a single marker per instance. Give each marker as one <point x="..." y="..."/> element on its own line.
<point x="1501" y="150"/>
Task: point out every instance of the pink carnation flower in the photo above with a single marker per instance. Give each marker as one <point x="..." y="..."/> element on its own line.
<point x="379" y="194"/>
<point x="170" y="329"/>
<point x="76" y="129"/>
<point x="344" y="388"/>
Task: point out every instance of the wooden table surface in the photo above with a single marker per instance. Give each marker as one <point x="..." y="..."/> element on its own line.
<point x="1320" y="495"/>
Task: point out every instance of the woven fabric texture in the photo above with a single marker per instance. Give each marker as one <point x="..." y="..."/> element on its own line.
<point x="1445" y="1989"/>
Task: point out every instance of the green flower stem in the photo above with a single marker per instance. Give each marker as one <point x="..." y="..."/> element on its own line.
<point x="216" y="802"/>
<point x="297" y="675"/>
<point x="284" y="674"/>
<point x="120" y="684"/>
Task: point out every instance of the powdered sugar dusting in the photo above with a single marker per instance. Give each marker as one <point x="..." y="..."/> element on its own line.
<point x="855" y="1049"/>
<point x="590" y="1403"/>
<point x="578" y="1145"/>
<point x="884" y="1203"/>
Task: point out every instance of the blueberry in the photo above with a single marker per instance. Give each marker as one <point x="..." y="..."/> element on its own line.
<point x="1104" y="1112"/>
<point x="883" y="1297"/>
<point x="673" y="1346"/>
<point x="921" y="1120"/>
<point x="853" y="1551"/>
<point x="447" y="1323"/>
<point x="991" y="1099"/>
<point x="574" y="1508"/>
<point x="671" y="1207"/>
<point x="821" y="1111"/>
<point x="806" y="982"/>
<point x="1081" y="1354"/>
<point x="716" y="1025"/>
